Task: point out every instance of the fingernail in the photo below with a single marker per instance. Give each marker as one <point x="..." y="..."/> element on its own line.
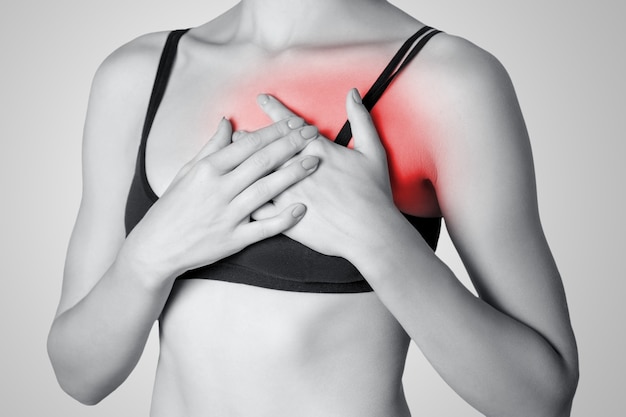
<point x="308" y="132"/>
<point x="263" y="99"/>
<point x="310" y="163"/>
<point x="356" y="96"/>
<point x="298" y="211"/>
<point x="295" y="122"/>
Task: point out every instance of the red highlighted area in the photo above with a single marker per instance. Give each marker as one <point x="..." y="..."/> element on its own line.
<point x="319" y="97"/>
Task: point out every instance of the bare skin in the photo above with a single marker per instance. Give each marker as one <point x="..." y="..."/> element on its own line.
<point x="235" y="350"/>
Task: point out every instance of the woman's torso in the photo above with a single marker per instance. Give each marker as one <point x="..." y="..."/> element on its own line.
<point x="237" y="350"/>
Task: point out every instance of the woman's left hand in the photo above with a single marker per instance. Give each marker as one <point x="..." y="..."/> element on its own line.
<point x="349" y="197"/>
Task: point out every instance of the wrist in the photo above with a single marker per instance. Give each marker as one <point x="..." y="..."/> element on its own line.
<point x="139" y="262"/>
<point x="376" y="236"/>
<point x="389" y="243"/>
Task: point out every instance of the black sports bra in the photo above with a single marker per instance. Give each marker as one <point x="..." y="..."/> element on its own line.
<point x="278" y="262"/>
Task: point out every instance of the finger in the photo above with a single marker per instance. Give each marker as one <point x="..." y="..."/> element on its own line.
<point x="273" y="107"/>
<point x="366" y="139"/>
<point x="238" y="135"/>
<point x="229" y="157"/>
<point x="255" y="231"/>
<point x="268" y="187"/>
<point x="266" y="211"/>
<point x="219" y="140"/>
<point x="271" y="157"/>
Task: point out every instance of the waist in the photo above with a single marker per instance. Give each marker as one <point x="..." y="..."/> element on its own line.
<point x="232" y="349"/>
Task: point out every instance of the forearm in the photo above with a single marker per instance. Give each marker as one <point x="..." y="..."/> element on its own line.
<point x="94" y="345"/>
<point x="496" y="363"/>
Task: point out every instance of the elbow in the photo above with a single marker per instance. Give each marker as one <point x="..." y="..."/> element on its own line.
<point x="569" y="379"/>
<point x="73" y="380"/>
<point x="557" y="381"/>
<point x="76" y="386"/>
<point x="572" y="379"/>
<point x="84" y="393"/>
<point x="547" y="391"/>
<point x="569" y="384"/>
<point x="560" y="395"/>
<point x="80" y="394"/>
<point x="552" y="396"/>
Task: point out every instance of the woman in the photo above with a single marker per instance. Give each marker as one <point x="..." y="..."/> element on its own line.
<point x="314" y="319"/>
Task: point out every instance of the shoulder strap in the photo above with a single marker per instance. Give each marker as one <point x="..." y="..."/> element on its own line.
<point x="400" y="60"/>
<point x="168" y="56"/>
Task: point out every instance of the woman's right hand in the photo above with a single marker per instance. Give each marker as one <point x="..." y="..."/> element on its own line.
<point x="204" y="215"/>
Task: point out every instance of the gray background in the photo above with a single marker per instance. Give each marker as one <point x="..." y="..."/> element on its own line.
<point x="566" y="59"/>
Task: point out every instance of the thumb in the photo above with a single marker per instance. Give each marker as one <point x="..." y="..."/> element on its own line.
<point x="219" y="140"/>
<point x="364" y="132"/>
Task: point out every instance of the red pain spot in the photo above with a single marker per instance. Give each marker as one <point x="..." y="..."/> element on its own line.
<point x="319" y="97"/>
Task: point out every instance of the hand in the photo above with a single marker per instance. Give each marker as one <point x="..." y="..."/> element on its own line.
<point x="204" y="215"/>
<point x="349" y="196"/>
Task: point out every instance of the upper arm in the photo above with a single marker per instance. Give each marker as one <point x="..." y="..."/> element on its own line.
<point x="117" y="105"/>
<point x="485" y="186"/>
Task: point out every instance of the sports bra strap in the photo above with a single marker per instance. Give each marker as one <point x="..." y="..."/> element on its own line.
<point x="168" y="56"/>
<point x="400" y="60"/>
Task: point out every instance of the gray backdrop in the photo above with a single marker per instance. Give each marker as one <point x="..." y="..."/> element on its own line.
<point x="566" y="59"/>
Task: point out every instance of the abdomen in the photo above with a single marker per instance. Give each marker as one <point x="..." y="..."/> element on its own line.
<point x="236" y="350"/>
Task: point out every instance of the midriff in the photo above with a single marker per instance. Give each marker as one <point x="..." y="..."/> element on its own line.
<point x="237" y="350"/>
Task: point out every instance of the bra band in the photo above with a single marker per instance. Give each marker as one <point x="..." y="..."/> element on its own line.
<point x="400" y="60"/>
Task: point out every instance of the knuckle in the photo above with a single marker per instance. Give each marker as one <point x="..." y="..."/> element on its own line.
<point x="204" y="168"/>
<point x="264" y="231"/>
<point x="295" y="141"/>
<point x="261" y="190"/>
<point x="289" y="175"/>
<point x="254" y="140"/>
<point x="260" y="160"/>
<point x="295" y="175"/>
<point x="282" y="128"/>
<point x="237" y="135"/>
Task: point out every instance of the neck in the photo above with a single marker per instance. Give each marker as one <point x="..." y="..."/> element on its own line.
<point x="279" y="24"/>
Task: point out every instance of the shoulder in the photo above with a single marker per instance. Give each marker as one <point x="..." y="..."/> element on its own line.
<point x="451" y="79"/>
<point x="118" y="100"/>
<point x="482" y="151"/>
<point x="468" y="98"/>
<point x="120" y="93"/>
<point x="132" y="65"/>
<point x="461" y="88"/>
<point x="475" y="126"/>
<point x="457" y="70"/>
